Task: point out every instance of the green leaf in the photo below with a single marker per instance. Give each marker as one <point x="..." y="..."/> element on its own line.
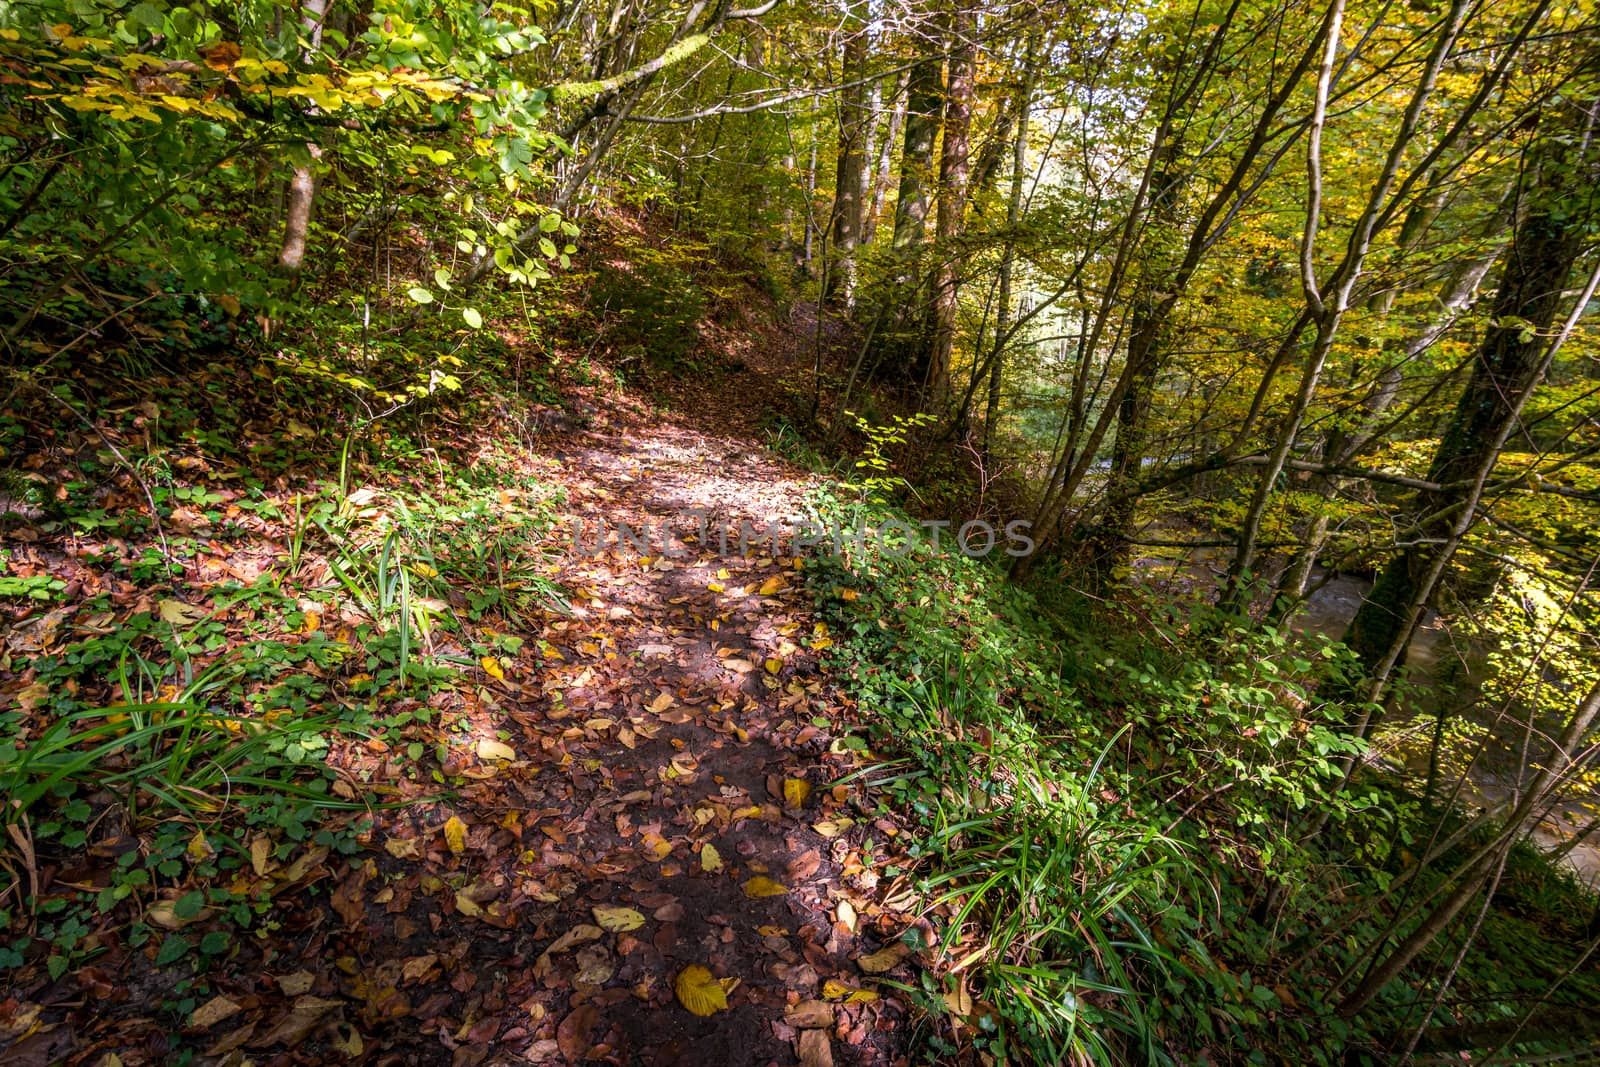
<point x="548" y="247"/>
<point x="549" y="224"/>
<point x="173" y="948"/>
<point x="189" y="905"/>
<point x="472" y="317"/>
<point x="442" y="277"/>
<point x="420" y="295"/>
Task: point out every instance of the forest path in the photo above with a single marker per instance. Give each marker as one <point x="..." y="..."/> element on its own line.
<point x="675" y="745"/>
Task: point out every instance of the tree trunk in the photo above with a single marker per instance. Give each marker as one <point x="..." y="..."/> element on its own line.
<point x="303" y="183"/>
<point x="849" y="183"/>
<point x="1510" y="363"/>
<point x="953" y="164"/>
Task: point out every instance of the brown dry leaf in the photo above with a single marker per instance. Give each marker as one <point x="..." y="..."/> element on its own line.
<point x="292" y="985"/>
<point x="795" y="792"/>
<point x="699" y="991"/>
<point x="661" y="703"/>
<point x="575" y="1033"/>
<point x="213" y="1012"/>
<point x="846" y="914"/>
<point x="814" y="1048"/>
<point x="455" y="835"/>
<point x="304" y="1017"/>
<point x="809" y="1014"/>
<point x="617" y="919"/>
<point x="576" y="936"/>
<point x="804" y="865"/>
<point x="595" y="965"/>
<point x="885" y="959"/>
<point x="414" y="969"/>
<point x="761" y="886"/>
<point x="261" y="855"/>
<point x="958" y="1000"/>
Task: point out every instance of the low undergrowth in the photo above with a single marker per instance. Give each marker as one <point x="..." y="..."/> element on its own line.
<point x="1116" y="802"/>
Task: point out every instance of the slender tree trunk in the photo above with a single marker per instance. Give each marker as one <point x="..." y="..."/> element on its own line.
<point x="849" y="184"/>
<point x="882" y="170"/>
<point x="302" y="188"/>
<point x="1019" y="168"/>
<point x="953" y="164"/>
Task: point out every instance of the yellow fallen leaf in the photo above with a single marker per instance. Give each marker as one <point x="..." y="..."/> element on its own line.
<point x="762" y="886"/>
<point x="490" y="749"/>
<point x="699" y="991"/>
<point x="846" y="914"/>
<point x="771" y="586"/>
<point x="467" y="906"/>
<point x="656" y="846"/>
<point x="849" y="594"/>
<point x="455" y="835"/>
<point x="402" y="848"/>
<point x="884" y="959"/>
<point x="751" y="811"/>
<point x="716" y="587"/>
<point x="491" y="667"/>
<point x="617" y="919"/>
<point x="662" y="702"/>
<point x="849" y="994"/>
<point x="710" y="859"/>
<point x="773" y="665"/>
<point x="199" y="848"/>
<point x="832" y="828"/>
<point x="795" y="792"/>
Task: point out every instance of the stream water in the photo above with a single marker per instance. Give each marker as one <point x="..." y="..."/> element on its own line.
<point x="1439" y="671"/>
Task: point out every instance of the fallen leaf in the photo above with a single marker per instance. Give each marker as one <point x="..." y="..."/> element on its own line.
<point x="491" y="667"/>
<point x="402" y="848"/>
<point x="849" y="994"/>
<point x="574" y="1034"/>
<point x="655" y="846"/>
<point x="595" y="965"/>
<point x="177" y="612"/>
<point x="795" y="792"/>
<point x="213" y="1012"/>
<point x="575" y="936"/>
<point x="772" y="585"/>
<point x="814" y="1048"/>
<point x="292" y="985"/>
<point x="489" y="749"/>
<point x="617" y="919"/>
<point x="699" y="991"/>
<point x="761" y="886"/>
<point x="804" y="865"/>
<point x="832" y="828"/>
<point x="455" y="835"/>
<point x="773" y="664"/>
<point x="304" y="1017"/>
<point x="885" y="959"/>
<point x="846" y="914"/>
<point x="809" y="1014"/>
<point x="710" y="858"/>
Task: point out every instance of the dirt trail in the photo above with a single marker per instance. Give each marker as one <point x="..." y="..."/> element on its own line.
<point x="668" y="715"/>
